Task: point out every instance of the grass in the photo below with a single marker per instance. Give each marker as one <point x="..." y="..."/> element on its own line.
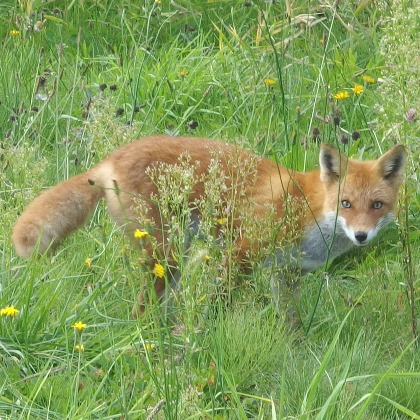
<point x="79" y="79"/>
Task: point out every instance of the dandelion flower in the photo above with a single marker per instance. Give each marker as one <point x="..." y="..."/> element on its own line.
<point x="138" y="234"/>
<point x="357" y="89"/>
<point x="80" y="348"/>
<point x="270" y="82"/>
<point x="183" y="72"/>
<point x="9" y="311"/>
<point x="159" y="270"/>
<point x="88" y="262"/>
<point x="149" y="346"/>
<point x="207" y="257"/>
<point x="221" y="220"/>
<point x="368" y="79"/>
<point x="342" y="95"/>
<point x="79" y="326"/>
<point x="14" y="32"/>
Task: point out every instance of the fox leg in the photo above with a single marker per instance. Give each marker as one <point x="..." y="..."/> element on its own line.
<point x="164" y="286"/>
<point x="284" y="282"/>
<point x="285" y="289"/>
<point x="139" y="307"/>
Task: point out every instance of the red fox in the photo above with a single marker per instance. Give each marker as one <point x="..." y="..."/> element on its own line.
<point x="343" y="204"/>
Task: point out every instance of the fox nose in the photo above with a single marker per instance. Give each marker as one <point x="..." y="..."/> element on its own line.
<point x="360" y="236"/>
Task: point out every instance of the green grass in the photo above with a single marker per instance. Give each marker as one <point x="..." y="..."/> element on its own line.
<point x="198" y="68"/>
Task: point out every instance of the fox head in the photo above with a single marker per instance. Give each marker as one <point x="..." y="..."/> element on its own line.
<point x="361" y="195"/>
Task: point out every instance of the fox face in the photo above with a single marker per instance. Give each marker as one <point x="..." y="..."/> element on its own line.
<point x="362" y="195"/>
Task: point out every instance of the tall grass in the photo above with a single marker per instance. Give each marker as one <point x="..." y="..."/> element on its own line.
<point x="79" y="79"/>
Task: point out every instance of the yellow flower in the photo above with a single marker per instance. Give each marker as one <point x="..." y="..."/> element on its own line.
<point x="183" y="72"/>
<point x="357" y="89"/>
<point x="138" y="234"/>
<point x="9" y="311"/>
<point x="79" y="326"/>
<point x="340" y="96"/>
<point x="270" y="82"/>
<point x="88" y="262"/>
<point x="159" y="270"/>
<point x="14" y="32"/>
<point x="80" y="348"/>
<point x="149" y="346"/>
<point x="222" y="220"/>
<point x="207" y="257"/>
<point x="368" y="79"/>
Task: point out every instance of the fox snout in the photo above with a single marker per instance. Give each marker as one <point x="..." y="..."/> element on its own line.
<point x="360" y="236"/>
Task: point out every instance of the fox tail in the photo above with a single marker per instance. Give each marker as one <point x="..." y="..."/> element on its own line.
<point x="56" y="213"/>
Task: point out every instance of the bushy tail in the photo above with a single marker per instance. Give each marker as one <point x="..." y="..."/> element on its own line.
<point x="56" y="213"/>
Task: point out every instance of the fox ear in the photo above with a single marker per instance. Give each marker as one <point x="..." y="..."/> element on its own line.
<point x="332" y="164"/>
<point x="391" y="164"/>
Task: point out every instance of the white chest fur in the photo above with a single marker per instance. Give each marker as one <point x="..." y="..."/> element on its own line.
<point x="322" y="242"/>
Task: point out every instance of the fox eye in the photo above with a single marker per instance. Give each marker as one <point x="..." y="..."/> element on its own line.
<point x="377" y="205"/>
<point x="346" y="204"/>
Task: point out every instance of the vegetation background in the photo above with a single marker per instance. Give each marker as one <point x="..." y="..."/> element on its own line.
<point x="81" y="78"/>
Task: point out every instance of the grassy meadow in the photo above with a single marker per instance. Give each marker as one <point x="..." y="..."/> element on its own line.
<point x="79" y="79"/>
